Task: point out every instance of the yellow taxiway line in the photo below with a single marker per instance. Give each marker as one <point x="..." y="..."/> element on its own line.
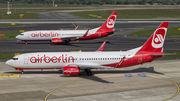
<point x="45" y="99"/>
<point x="178" y="89"/>
<point x="9" y="75"/>
<point x="169" y="81"/>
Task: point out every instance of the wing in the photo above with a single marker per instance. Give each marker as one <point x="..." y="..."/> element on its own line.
<point x="85" y="66"/>
<point x="75" y="37"/>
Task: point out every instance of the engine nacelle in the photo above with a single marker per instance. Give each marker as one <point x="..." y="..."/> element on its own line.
<point x="56" y="40"/>
<point x="71" y="70"/>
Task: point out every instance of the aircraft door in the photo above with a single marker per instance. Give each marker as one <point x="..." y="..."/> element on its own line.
<point x="140" y="58"/>
<point x="99" y="34"/>
<point x="28" y="35"/>
<point x="25" y="59"/>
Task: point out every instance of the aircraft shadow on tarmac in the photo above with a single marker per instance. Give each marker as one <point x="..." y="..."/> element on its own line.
<point x="93" y="78"/>
<point x="137" y="70"/>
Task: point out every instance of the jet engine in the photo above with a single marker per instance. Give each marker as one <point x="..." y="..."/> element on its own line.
<point x="71" y="70"/>
<point x="56" y="40"/>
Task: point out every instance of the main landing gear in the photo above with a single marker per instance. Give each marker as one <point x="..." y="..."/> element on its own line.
<point x="66" y="42"/>
<point x="22" y="72"/>
<point x="88" y="71"/>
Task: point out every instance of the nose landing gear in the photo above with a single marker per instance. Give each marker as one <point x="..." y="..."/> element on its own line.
<point x="18" y="69"/>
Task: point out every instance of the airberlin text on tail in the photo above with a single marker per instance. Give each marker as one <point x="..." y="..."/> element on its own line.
<point x="109" y="23"/>
<point x="156" y="41"/>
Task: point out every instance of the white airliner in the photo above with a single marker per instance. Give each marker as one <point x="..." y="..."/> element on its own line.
<point x="73" y="62"/>
<point x="60" y="36"/>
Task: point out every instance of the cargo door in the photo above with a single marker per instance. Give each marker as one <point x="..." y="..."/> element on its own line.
<point x="25" y="59"/>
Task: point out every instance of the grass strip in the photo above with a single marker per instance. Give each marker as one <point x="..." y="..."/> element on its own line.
<point x="17" y="15"/>
<point x="172" y="54"/>
<point x="133" y="14"/>
<point x="9" y="35"/>
<point x="7" y="55"/>
<point x="9" y="24"/>
<point x="3" y="11"/>
<point x="35" y="6"/>
<point x="171" y="32"/>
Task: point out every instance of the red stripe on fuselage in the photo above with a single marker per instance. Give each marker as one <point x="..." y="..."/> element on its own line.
<point x="135" y="60"/>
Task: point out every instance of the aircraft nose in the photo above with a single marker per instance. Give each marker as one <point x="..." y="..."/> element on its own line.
<point x="17" y="37"/>
<point x="9" y="62"/>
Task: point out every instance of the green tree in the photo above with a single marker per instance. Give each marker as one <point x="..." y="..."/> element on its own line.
<point x="126" y="2"/>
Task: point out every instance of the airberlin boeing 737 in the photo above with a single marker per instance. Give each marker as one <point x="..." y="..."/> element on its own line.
<point x="73" y="62"/>
<point x="59" y="36"/>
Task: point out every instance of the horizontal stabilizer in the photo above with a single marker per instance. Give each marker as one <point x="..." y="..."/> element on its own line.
<point x="162" y="54"/>
<point x="157" y="54"/>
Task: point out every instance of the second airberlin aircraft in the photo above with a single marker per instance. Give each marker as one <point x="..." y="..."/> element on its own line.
<point x="64" y="36"/>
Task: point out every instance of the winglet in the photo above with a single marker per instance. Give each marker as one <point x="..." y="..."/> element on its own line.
<point x="76" y="27"/>
<point x="102" y="46"/>
<point x="86" y="33"/>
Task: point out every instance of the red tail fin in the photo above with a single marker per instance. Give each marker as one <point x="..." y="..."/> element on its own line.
<point x="109" y="23"/>
<point x="156" y="41"/>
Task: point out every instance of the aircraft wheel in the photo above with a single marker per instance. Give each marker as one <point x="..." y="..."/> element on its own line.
<point x="89" y="74"/>
<point x="88" y="71"/>
<point x="66" y="42"/>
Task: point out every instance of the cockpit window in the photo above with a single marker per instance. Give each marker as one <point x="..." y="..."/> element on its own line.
<point x="15" y="58"/>
<point x="21" y="34"/>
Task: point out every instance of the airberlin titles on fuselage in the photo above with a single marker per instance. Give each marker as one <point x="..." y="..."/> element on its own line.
<point x="45" y="34"/>
<point x="54" y="59"/>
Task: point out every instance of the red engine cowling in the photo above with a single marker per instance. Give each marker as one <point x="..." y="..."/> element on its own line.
<point x="70" y="70"/>
<point x="56" y="40"/>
